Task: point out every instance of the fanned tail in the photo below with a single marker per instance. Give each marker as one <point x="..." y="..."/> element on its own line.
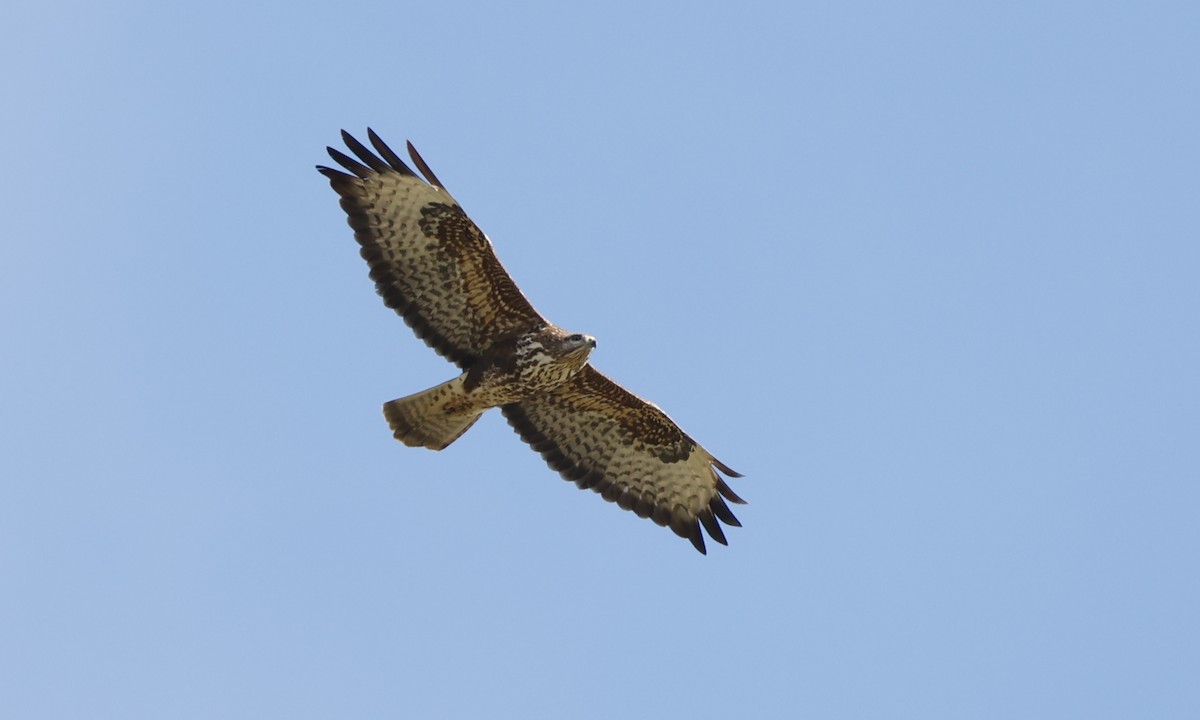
<point x="429" y="418"/>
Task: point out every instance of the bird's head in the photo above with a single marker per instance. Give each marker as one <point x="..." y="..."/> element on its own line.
<point x="578" y="346"/>
<point x="553" y="346"/>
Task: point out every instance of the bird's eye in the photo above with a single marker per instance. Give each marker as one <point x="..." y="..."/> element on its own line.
<point x="576" y="338"/>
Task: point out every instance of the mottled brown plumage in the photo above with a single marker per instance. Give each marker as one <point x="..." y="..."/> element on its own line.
<point x="436" y="268"/>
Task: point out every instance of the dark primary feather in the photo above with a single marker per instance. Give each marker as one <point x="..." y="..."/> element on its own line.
<point x="422" y="166"/>
<point x="377" y="164"/>
<point x="387" y="153"/>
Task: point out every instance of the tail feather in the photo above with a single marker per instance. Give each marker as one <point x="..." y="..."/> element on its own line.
<point x="429" y="418"/>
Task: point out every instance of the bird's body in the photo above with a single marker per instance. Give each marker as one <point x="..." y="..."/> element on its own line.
<point x="510" y="371"/>
<point x="434" y="267"/>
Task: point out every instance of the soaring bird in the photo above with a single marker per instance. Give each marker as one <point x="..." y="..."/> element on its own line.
<point x="436" y="269"/>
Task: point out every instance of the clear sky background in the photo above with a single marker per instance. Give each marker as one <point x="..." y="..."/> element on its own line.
<point x="927" y="273"/>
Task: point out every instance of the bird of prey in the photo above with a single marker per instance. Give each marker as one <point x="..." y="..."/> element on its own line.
<point x="436" y="269"/>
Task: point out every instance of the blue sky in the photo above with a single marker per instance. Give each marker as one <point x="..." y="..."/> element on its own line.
<point x="927" y="273"/>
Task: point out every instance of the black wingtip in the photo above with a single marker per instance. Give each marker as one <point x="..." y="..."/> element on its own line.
<point x="712" y="526"/>
<point x="388" y="154"/>
<point x="423" y="166"/>
<point x="729" y="494"/>
<point x="343" y="183"/>
<point x="685" y="525"/>
<point x="726" y="469"/>
<point x="364" y="154"/>
<point x="722" y="511"/>
<point x="350" y="163"/>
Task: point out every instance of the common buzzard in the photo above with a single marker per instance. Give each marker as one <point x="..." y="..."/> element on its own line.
<point x="435" y="267"/>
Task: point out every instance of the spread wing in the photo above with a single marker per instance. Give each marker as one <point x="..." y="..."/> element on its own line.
<point x="430" y="262"/>
<point x="603" y="437"/>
